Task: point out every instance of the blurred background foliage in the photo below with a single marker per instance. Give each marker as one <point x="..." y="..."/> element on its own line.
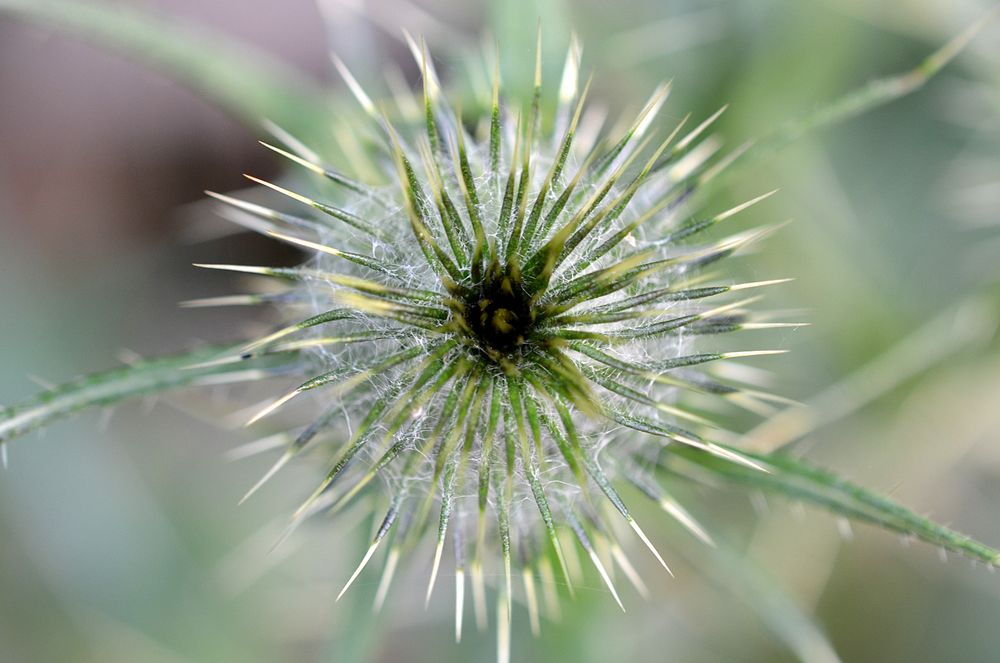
<point x="121" y="538"/>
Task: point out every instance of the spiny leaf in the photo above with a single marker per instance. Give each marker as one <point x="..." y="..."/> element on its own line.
<point x="796" y="480"/>
<point x="141" y="379"/>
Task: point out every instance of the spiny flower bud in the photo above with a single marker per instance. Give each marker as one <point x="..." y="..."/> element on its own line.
<point x="512" y="323"/>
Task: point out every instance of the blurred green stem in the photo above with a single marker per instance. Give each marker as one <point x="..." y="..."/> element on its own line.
<point x="247" y="83"/>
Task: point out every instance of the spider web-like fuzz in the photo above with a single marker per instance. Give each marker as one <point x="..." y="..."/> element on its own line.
<point x="507" y="327"/>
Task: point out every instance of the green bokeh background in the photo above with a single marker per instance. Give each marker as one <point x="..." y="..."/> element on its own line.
<point x="120" y="540"/>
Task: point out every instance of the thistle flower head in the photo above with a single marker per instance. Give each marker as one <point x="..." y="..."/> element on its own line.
<point x="507" y="325"/>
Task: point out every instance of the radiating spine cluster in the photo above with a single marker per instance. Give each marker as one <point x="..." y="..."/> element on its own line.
<point x="510" y="323"/>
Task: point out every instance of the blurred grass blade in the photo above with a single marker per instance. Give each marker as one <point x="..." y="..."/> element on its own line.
<point x="733" y="572"/>
<point x="876" y="93"/>
<point x="968" y="325"/>
<point x="245" y="82"/>
<point x="797" y="480"/>
<point x="140" y="379"/>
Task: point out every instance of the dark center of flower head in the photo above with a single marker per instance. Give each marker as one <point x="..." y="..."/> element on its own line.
<point x="499" y="314"/>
